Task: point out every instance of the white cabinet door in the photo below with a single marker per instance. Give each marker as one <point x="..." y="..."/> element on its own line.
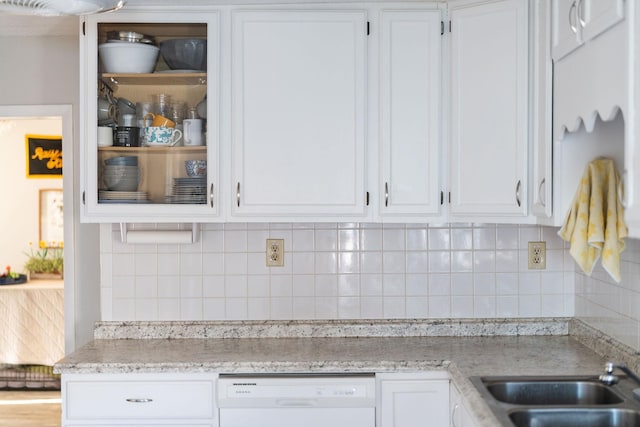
<point x="578" y="21"/>
<point x="298" y="113"/>
<point x="597" y="16"/>
<point x="566" y="31"/>
<point x="410" y="113"/>
<point x="164" y="191"/>
<point x="489" y="109"/>
<point x="460" y="415"/>
<point x="414" y="403"/>
<point x="541" y="110"/>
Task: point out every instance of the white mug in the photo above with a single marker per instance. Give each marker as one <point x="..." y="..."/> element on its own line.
<point x="192" y="132"/>
<point x="105" y="136"/>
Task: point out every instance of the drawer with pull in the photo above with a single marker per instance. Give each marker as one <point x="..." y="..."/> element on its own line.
<point x="106" y="397"/>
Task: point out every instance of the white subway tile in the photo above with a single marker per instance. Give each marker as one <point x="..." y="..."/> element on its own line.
<point x="304" y="285"/>
<point x="417" y="307"/>
<point x="235" y="287"/>
<point x="417" y="239"/>
<point x="236" y="308"/>
<point x="439" y="262"/>
<point x="326" y="262"/>
<point x="190" y="287"/>
<point x="326" y="285"/>
<point x="484" y="238"/>
<point x="304" y="307"/>
<point x="371" y="284"/>
<point x="348" y="307"/>
<point x="417" y="284"/>
<point x="191" y="263"/>
<point x="394" y="307"/>
<point x="370" y="262"/>
<point x="258" y="308"/>
<point x="191" y="309"/>
<point x="393" y="238"/>
<point x="167" y="264"/>
<point x="439" y="239"/>
<point x="439" y="307"/>
<point x="168" y="309"/>
<point x="124" y="309"/>
<point x="461" y="306"/>
<point x="371" y="307"/>
<point x="326" y="307"/>
<point x="371" y="239"/>
<point x="235" y="263"/>
<point x="146" y="309"/>
<point x="168" y="286"/>
<point x="393" y="262"/>
<point x="461" y="239"/>
<point x="326" y="240"/>
<point x="348" y="240"/>
<point x="235" y="241"/>
<point x="146" y="287"/>
<point x="213" y="309"/>
<point x="461" y="261"/>
<point x="303" y="240"/>
<point x="281" y="286"/>
<point x="393" y="285"/>
<point x="348" y="285"/>
<point x="348" y="262"/>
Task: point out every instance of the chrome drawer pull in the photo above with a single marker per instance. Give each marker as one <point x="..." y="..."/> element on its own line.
<point x="132" y="400"/>
<point x="211" y="195"/>
<point x="572" y="10"/>
<point x="238" y="194"/>
<point x="518" y="193"/>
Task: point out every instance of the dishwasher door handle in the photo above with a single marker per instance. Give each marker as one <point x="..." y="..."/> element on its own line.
<point x="297" y="403"/>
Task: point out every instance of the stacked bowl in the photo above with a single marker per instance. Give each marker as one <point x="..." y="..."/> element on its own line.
<point x="122" y="173"/>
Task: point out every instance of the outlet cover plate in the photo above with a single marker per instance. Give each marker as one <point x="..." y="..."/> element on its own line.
<point x="275" y="252"/>
<point x="537" y="255"/>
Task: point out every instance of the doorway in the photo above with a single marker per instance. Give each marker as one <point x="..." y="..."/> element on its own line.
<point x="33" y="227"/>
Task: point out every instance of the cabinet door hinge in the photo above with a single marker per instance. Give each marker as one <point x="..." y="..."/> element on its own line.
<point x="368" y="28"/>
<point x="367" y="198"/>
<point x="441" y="28"/>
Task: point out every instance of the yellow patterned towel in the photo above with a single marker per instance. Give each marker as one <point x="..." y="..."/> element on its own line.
<point x="595" y="223"/>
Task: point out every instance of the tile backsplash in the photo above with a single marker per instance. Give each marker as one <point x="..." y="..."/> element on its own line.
<point x="338" y="271"/>
<point x="613" y="308"/>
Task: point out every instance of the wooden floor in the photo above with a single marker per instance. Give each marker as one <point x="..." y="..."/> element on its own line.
<point x="30" y="408"/>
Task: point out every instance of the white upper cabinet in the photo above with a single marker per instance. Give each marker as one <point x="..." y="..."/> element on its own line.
<point x="298" y="113"/>
<point x="489" y="110"/>
<point x="578" y="21"/>
<point x="156" y="187"/>
<point x="541" y="109"/>
<point x="410" y="80"/>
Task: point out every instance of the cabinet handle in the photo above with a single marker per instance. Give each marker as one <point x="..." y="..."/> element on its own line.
<point x="386" y="194"/>
<point x="541" y="200"/>
<point x="238" y="194"/>
<point x="211" y="195"/>
<point x="518" y="185"/>
<point x="572" y="25"/>
<point x="134" y="400"/>
<point x="453" y="415"/>
<point x="579" y="13"/>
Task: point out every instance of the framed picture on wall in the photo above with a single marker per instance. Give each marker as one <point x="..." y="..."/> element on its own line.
<point x="44" y="156"/>
<point x="51" y="217"/>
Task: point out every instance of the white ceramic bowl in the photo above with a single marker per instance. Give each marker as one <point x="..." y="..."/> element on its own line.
<point x="128" y="57"/>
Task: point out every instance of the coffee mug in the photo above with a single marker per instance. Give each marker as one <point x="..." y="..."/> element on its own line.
<point x="192" y="132"/>
<point x="126" y="136"/>
<point x="159" y="121"/>
<point x="161" y="136"/>
<point x="105" y="136"/>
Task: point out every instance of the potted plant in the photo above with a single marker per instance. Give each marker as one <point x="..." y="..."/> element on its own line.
<point x="47" y="262"/>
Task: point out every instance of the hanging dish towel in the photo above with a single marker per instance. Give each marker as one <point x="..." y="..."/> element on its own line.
<point x="595" y="223"/>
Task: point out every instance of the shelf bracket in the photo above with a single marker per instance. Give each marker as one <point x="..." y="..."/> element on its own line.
<point x="159" y="236"/>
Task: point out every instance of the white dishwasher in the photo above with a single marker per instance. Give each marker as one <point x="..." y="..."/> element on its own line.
<point x="294" y="400"/>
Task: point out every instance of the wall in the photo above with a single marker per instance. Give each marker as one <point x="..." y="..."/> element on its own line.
<point x="611" y="307"/>
<point x="40" y="66"/>
<point x="353" y="271"/>
<point x="19" y="220"/>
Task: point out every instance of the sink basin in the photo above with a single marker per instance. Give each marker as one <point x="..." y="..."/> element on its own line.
<point x="575" y="417"/>
<point x="552" y="393"/>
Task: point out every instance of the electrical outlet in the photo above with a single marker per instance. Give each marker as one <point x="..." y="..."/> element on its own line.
<point x="275" y="252"/>
<point x="537" y="255"/>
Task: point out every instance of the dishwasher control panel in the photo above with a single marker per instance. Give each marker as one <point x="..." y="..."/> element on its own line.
<point x="315" y="390"/>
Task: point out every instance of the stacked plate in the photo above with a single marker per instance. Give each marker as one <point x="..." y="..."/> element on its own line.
<point x="106" y="196"/>
<point x="191" y="190"/>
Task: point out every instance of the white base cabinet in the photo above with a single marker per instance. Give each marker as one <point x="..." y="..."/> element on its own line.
<point x="138" y="399"/>
<point x="460" y="415"/>
<point x="418" y="399"/>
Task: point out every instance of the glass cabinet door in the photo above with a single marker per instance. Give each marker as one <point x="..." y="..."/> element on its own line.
<point x="151" y="123"/>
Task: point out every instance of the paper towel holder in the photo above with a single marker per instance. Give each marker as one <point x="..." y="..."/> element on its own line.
<point x="159" y="236"/>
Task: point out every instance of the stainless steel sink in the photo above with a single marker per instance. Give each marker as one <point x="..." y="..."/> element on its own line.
<point x="575" y="417"/>
<point x="568" y="392"/>
<point x="560" y="401"/>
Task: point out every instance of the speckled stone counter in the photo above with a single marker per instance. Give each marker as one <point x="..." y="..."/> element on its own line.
<point x="462" y="356"/>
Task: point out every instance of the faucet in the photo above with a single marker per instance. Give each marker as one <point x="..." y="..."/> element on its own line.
<point x="610" y="378"/>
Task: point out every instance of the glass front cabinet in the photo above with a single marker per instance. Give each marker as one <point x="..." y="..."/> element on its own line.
<point x="150" y="116"/>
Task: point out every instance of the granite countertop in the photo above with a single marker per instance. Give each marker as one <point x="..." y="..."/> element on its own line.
<point x="272" y="348"/>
